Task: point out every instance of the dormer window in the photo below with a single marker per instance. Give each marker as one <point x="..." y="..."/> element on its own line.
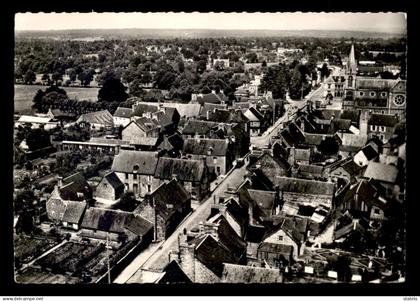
<point x="210" y="151"/>
<point x="135" y="168"/>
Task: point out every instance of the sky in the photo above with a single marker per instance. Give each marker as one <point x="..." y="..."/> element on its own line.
<point x="379" y="22"/>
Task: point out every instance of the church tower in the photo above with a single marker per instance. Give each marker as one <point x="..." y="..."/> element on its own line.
<point x="351" y="70"/>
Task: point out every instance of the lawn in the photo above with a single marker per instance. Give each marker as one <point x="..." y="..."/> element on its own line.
<point x="25" y="93"/>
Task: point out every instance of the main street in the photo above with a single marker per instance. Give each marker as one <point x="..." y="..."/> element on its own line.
<point x="156" y="257"/>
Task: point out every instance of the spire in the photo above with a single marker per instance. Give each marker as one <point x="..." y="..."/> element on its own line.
<point x="352" y="65"/>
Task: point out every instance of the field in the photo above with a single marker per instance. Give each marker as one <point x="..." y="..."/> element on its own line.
<point x="25" y="93"/>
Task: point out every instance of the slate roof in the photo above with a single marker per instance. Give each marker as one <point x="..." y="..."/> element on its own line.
<point x="146" y="141"/>
<point x="369" y="152"/>
<point x="100" y="117"/>
<point x="353" y="115"/>
<point x="142" y="108"/>
<point x="381" y="172"/>
<point x="211" y="98"/>
<point x="241" y="105"/>
<point x="314" y="139"/>
<point x="162" y="118"/>
<point x="302" y="154"/>
<point x="364" y="191"/>
<point x="351" y="167"/>
<point x="238" y="212"/>
<point x="114" y="221"/>
<point x="311" y="169"/>
<point x="185" y="170"/>
<point x="275" y="248"/>
<point x="123" y="112"/>
<point x="147" y="124"/>
<point x="74" y="184"/>
<point x="233" y="273"/>
<point x="265" y="200"/>
<point x="127" y="159"/>
<point x="228" y="116"/>
<point x="74" y="212"/>
<point x="367" y="83"/>
<point x="185" y="109"/>
<point x="113" y="180"/>
<point x="383" y="120"/>
<point x="352" y="142"/>
<point x="200" y="146"/>
<point x="169" y="197"/>
<point x="305" y="186"/>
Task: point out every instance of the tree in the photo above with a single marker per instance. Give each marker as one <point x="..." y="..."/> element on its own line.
<point x="37" y="139"/>
<point x="37" y="101"/>
<point x="154" y="95"/>
<point x="56" y="76"/>
<point x="252" y="57"/>
<point x="276" y="80"/>
<point x="29" y="77"/>
<point x="135" y="88"/>
<point x="112" y="90"/>
<point x="325" y="72"/>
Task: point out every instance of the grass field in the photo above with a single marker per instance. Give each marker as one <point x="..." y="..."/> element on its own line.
<point x="25" y="93"/>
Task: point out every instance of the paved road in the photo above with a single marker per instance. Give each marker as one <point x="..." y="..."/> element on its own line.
<point x="156" y="256"/>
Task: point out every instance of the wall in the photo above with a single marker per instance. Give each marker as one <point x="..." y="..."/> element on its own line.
<point x="142" y="181"/>
<point x="221" y="162"/>
<point x="105" y="191"/>
<point x="121" y="121"/>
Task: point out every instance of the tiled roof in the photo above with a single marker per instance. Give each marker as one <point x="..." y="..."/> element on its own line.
<point x="185" y="170"/>
<point x="72" y="185"/>
<point x="265" y="200"/>
<point x="185" y="109"/>
<point x="113" y="180"/>
<point x="126" y="160"/>
<point x="211" y="98"/>
<point x="367" y="83"/>
<point x="74" y="212"/>
<point x="147" y="124"/>
<point x="202" y="127"/>
<point x="200" y="146"/>
<point x="169" y="197"/>
<point x="142" y="108"/>
<point x="305" y="186"/>
<point x="100" y="117"/>
<point x="253" y="114"/>
<point x="233" y="273"/>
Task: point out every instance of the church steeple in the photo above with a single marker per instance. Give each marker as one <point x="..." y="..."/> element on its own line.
<point x="351" y="64"/>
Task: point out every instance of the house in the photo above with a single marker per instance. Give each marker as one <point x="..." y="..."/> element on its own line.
<point x="256" y="121"/>
<point x="57" y="114"/>
<point x="274" y="254"/>
<point x="381" y="126"/>
<point x="171" y="274"/>
<point x="310" y="171"/>
<point x="366" y="154"/>
<point x="103" y="145"/>
<point x="366" y="197"/>
<point x="97" y="120"/>
<point x="208" y="108"/>
<point x="68" y="214"/>
<point x="236" y="214"/>
<point x="299" y="155"/>
<point x="219" y="130"/>
<point x="218" y="153"/>
<point x="230" y="116"/>
<point x="122" y="116"/>
<point x="136" y="170"/>
<point x="72" y="188"/>
<point x="171" y="145"/>
<point x="193" y="174"/>
<point x="213" y="97"/>
<point x="202" y="257"/>
<point x="110" y="188"/>
<point x="306" y="192"/>
<point x="108" y="224"/>
<point x="140" y="127"/>
<point x="165" y="208"/>
<point x="348" y="170"/>
<point x="386" y="175"/>
<point x="347" y="225"/>
<point x="350" y="143"/>
<point x="290" y="231"/>
<point x="235" y="273"/>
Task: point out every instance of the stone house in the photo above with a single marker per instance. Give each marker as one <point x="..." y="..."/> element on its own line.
<point x="110" y="187"/>
<point x="381" y="126"/>
<point x="122" y="116"/>
<point x="165" y="207"/>
<point x="136" y="170"/>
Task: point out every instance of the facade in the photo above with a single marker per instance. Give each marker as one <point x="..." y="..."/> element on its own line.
<point x="218" y="153"/>
<point x="381" y="126"/>
<point x="110" y="187"/>
<point x="136" y="170"/>
<point x="122" y="116"/>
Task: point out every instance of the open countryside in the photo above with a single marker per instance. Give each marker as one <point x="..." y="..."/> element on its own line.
<point x="25" y="93"/>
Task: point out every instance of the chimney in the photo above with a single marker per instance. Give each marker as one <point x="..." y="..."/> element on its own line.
<point x="213" y="91"/>
<point x="208" y="114"/>
<point x="60" y="181"/>
<point x="291" y="158"/>
<point x="187" y="259"/>
<point x="212" y="229"/>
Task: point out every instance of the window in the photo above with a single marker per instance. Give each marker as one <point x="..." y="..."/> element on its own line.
<point x="135" y="188"/>
<point x="377" y="211"/>
<point x="373" y="127"/>
<point x="382" y="137"/>
<point x="382" y="129"/>
<point x="361" y="93"/>
<point x="149" y="188"/>
<point x="280" y="237"/>
<point x="383" y="94"/>
<point x="135" y="176"/>
<point x="214" y="160"/>
<point x="399" y="100"/>
<point x="126" y="176"/>
<point x="372" y="94"/>
<point x="218" y="169"/>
